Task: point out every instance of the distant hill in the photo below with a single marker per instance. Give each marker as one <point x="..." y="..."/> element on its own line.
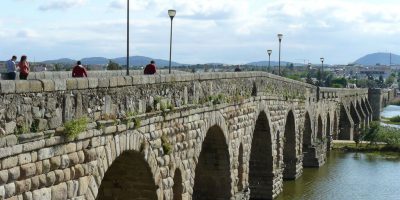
<point x="60" y="61"/>
<point x="273" y="63"/>
<point x="378" y="58"/>
<point x="142" y="60"/>
<point x="133" y="60"/>
<point x="95" y="61"/>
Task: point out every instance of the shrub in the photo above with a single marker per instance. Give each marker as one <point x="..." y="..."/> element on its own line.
<point x="74" y="127"/>
<point x="167" y="147"/>
<point x="371" y="133"/>
<point x="137" y="122"/>
<point x="390" y="136"/>
<point x="395" y="119"/>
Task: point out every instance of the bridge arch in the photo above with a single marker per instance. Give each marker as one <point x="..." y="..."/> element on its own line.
<point x="134" y="171"/>
<point x="212" y="173"/>
<point x="346" y="124"/>
<point x="240" y="184"/>
<point x="261" y="174"/>
<point x="361" y="114"/>
<point x="356" y="119"/>
<point x="335" y="126"/>
<point x="367" y="113"/>
<point x="289" y="149"/>
<point x="328" y="132"/>
<point x="308" y="148"/>
<point x="320" y="129"/>
<point x="177" y="188"/>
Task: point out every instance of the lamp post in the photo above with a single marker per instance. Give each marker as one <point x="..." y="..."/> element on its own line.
<point x="171" y="14"/>
<point x="322" y="71"/>
<point x="280" y="41"/>
<point x="269" y="51"/>
<point x="127" y="39"/>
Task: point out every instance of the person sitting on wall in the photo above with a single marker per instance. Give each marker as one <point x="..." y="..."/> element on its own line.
<point x="79" y="70"/>
<point x="237" y="69"/>
<point x="150" y="68"/>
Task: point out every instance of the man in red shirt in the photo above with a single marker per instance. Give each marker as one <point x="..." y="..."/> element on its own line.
<point x="79" y="70"/>
<point x="150" y="68"/>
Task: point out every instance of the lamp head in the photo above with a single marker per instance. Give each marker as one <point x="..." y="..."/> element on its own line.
<point x="322" y="59"/>
<point x="171" y="13"/>
<point x="269" y="51"/>
<point x="280" y="36"/>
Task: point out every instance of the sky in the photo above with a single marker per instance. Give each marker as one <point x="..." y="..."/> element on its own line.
<point x="225" y="31"/>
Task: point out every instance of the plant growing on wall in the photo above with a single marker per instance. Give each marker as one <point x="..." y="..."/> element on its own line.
<point x="167" y="147"/>
<point x="74" y="127"/>
<point x="35" y="126"/>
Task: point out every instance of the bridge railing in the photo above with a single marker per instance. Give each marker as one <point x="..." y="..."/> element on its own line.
<point x="94" y="73"/>
<point x="327" y="93"/>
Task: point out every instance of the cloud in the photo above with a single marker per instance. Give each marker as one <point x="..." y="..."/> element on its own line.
<point x="26" y="34"/>
<point x="61" y="4"/>
<point x="119" y="5"/>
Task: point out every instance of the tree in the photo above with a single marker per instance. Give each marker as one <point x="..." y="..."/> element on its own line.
<point x="328" y="80"/>
<point x="113" y="66"/>
<point x="389" y="81"/>
<point x="309" y="79"/>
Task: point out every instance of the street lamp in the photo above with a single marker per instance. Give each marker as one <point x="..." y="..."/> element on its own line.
<point x="322" y="71"/>
<point x="127" y="39"/>
<point x="280" y="41"/>
<point x="269" y="58"/>
<point x="171" y="14"/>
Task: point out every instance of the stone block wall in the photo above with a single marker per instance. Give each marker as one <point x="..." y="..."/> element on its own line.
<point x="159" y="122"/>
<point x="93" y="74"/>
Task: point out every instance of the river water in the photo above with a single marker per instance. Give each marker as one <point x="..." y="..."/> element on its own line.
<point x="352" y="176"/>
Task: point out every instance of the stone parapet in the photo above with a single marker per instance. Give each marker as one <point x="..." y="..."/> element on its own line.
<point x="95" y="73"/>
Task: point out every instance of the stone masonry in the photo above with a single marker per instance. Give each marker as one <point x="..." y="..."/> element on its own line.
<point x="180" y="136"/>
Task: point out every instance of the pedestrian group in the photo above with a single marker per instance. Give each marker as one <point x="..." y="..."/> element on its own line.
<point x="78" y="70"/>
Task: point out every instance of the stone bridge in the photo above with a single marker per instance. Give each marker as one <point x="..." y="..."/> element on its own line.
<point x="181" y="136"/>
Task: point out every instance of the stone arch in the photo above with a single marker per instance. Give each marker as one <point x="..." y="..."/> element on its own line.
<point x="361" y="114"/>
<point x="261" y="176"/>
<point x="346" y="124"/>
<point x="178" y="185"/>
<point x="308" y="147"/>
<point x="289" y="148"/>
<point x="367" y="113"/>
<point x="129" y="167"/>
<point x="335" y="127"/>
<point x="328" y="132"/>
<point x="320" y="129"/>
<point x="212" y="174"/>
<point x="240" y="184"/>
<point x="356" y="119"/>
<point x="307" y="133"/>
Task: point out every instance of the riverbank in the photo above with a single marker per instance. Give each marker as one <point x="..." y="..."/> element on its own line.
<point x="380" y="148"/>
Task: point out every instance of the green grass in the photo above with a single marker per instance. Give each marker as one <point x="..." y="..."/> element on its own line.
<point x="391" y="120"/>
<point x="370" y="148"/>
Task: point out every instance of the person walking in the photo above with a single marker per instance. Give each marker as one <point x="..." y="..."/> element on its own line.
<point x="150" y="68"/>
<point x="11" y="68"/>
<point x="79" y="70"/>
<point x="23" y="68"/>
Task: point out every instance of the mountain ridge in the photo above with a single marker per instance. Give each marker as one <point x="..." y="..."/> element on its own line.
<point x="133" y="60"/>
<point x="378" y="58"/>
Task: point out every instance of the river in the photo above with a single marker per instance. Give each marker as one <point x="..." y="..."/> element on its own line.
<point x="353" y="176"/>
<point x="391" y="111"/>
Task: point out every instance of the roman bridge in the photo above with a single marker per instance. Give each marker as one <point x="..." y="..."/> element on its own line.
<point x="180" y="136"/>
